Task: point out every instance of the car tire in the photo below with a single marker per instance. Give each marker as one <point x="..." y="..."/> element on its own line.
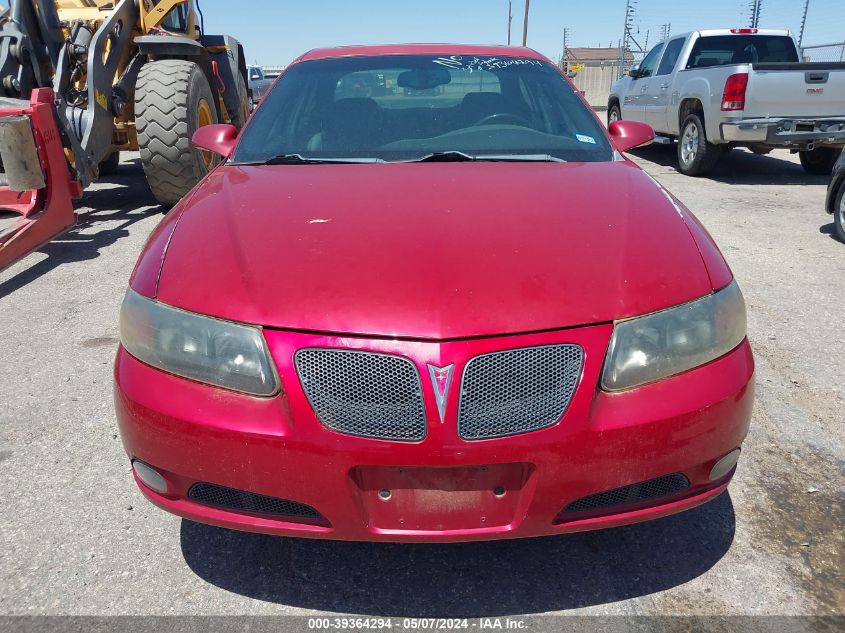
<point x="614" y="113"/>
<point x="110" y="164"/>
<point x="839" y="213"/>
<point x="696" y="155"/>
<point x="172" y="100"/>
<point x="819" y="161"/>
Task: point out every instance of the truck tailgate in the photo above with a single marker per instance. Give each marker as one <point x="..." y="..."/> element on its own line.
<point x="796" y="90"/>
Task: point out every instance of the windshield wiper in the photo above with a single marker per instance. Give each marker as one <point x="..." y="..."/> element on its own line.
<point x="521" y="158"/>
<point x="299" y="159"/>
<point x="450" y="156"/>
<point x="455" y="156"/>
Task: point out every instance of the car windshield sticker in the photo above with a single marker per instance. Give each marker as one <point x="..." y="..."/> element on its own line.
<point x="585" y="139"/>
<point x="484" y="63"/>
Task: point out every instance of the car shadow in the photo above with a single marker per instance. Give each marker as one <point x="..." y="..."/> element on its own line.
<point x="739" y="167"/>
<point x="496" y="578"/>
<point x="105" y="214"/>
<point x="830" y="230"/>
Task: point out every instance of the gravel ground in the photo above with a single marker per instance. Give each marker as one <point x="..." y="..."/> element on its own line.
<point x="80" y="539"/>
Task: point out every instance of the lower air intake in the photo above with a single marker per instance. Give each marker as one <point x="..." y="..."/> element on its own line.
<point x="231" y="499"/>
<point x="629" y="495"/>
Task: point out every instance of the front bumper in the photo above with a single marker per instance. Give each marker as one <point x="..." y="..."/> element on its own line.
<point x="786" y="132"/>
<point x="442" y="488"/>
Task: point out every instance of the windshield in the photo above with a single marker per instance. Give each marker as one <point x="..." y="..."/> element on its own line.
<point x="408" y="107"/>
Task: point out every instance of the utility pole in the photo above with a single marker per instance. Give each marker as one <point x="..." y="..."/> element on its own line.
<point x="564" y="61"/>
<point x="626" y="35"/>
<point x="803" y="23"/>
<point x="755" y="7"/>
<point x="525" y="24"/>
<point x="665" y="31"/>
<point x="510" y="20"/>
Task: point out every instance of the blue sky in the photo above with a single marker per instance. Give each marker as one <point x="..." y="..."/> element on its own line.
<point x="275" y="31"/>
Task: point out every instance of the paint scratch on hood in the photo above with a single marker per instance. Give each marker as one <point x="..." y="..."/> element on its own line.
<point x="668" y="195"/>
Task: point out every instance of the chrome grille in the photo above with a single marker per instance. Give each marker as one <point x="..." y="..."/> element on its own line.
<point x="517" y="391"/>
<point x="363" y="393"/>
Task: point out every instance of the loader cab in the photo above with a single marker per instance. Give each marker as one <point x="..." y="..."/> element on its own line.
<point x="177" y="20"/>
<point x="180" y="19"/>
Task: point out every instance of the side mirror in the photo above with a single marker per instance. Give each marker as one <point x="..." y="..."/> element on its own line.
<point x="627" y="135"/>
<point x="634" y="73"/>
<point x="218" y="139"/>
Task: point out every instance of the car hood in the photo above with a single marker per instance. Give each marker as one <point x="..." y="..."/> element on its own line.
<point x="431" y="250"/>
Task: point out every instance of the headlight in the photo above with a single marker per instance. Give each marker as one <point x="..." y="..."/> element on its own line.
<point x="197" y="347"/>
<point x="666" y="343"/>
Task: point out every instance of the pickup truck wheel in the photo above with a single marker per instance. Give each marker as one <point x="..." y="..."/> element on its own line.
<point x="839" y="214"/>
<point x="696" y="156"/>
<point x="613" y="114"/>
<point x="819" y="161"/>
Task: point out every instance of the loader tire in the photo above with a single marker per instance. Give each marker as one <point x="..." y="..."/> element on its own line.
<point x="172" y="100"/>
<point x="239" y="118"/>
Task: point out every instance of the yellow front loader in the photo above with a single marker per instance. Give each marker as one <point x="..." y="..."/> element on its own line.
<point x="117" y="75"/>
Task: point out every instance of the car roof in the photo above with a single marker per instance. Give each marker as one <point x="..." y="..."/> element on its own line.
<point x="420" y="49"/>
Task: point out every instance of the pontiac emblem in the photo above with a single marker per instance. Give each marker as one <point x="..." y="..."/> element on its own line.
<point x="441" y="380"/>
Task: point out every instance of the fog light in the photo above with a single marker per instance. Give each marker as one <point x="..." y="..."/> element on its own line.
<point x="724" y="465"/>
<point x="149" y="476"/>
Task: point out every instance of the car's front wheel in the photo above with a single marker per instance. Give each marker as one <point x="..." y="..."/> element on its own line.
<point x="839" y="213"/>
<point x="614" y="113"/>
<point x="696" y="155"/>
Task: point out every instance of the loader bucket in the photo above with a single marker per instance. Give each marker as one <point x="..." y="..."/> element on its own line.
<point x="35" y="181"/>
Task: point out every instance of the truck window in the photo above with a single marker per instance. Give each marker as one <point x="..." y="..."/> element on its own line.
<point x="650" y="61"/>
<point x="670" y="57"/>
<point x="721" y="50"/>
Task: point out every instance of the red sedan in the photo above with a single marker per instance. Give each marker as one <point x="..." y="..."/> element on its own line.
<point x="444" y="310"/>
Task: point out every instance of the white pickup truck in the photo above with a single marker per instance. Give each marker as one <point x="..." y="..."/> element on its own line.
<point x="718" y="89"/>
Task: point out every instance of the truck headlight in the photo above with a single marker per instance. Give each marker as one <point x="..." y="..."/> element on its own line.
<point x="201" y="348"/>
<point x="666" y="343"/>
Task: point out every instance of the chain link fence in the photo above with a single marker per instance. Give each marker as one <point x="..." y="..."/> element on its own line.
<point x="824" y="52"/>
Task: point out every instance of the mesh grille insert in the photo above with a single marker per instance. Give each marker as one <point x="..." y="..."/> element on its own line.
<point x="231" y="499"/>
<point x="635" y="493"/>
<point x="517" y="391"/>
<point x="364" y="394"/>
